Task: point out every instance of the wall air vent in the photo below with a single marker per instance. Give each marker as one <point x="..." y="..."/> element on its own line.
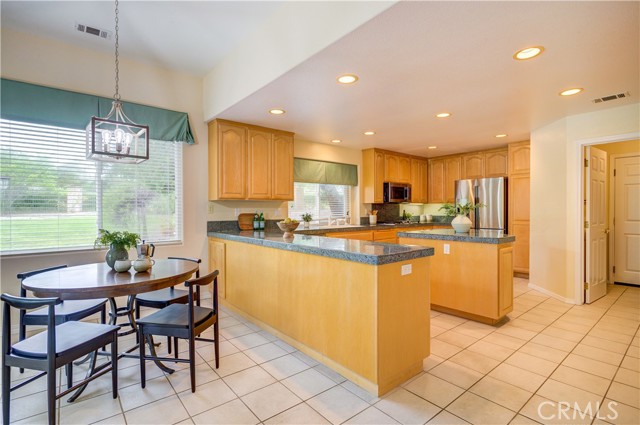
<point x="94" y="31"/>
<point x="611" y="97"/>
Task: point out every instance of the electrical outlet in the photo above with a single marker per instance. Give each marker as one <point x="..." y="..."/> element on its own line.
<point x="405" y="269"/>
<point x="210" y="207"/>
<point x="447" y="249"/>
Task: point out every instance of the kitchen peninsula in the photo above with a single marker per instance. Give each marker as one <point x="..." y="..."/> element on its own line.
<point x="471" y="273"/>
<point x="359" y="307"/>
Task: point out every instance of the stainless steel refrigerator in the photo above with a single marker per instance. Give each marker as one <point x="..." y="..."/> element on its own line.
<point x="492" y="192"/>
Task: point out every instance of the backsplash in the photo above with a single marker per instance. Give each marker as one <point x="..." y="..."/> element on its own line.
<point x="387" y="213"/>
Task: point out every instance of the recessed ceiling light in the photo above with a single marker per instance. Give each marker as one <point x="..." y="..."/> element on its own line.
<point x="369" y="133"/>
<point x="347" y="79"/>
<point x="528" y="53"/>
<point x="443" y="115"/>
<point x="277" y="111"/>
<point x="501" y="135"/>
<point x="432" y="147"/>
<point x="571" y="92"/>
<point x="336" y="141"/>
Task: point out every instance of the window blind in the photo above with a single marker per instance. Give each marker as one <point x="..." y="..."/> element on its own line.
<point x="52" y="198"/>
<point x="323" y="201"/>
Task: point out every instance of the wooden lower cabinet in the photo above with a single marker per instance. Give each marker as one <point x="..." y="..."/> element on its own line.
<point x="475" y="280"/>
<point x="361" y="236"/>
<point x="217" y="262"/>
<point x="520" y="247"/>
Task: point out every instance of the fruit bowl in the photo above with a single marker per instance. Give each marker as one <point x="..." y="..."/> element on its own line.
<point x="288" y="228"/>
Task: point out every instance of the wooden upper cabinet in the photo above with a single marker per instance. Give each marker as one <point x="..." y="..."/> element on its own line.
<point x="436" y="181"/>
<point x="419" y="181"/>
<point x="495" y="163"/>
<point x="397" y="168"/>
<point x="519" y="157"/>
<point x="249" y="162"/>
<point x="259" y="164"/>
<point x="373" y="176"/>
<point x="404" y="169"/>
<point x="231" y="161"/>
<point x="452" y="172"/>
<point x="282" y="166"/>
<point x="519" y="194"/>
<point x="473" y="166"/>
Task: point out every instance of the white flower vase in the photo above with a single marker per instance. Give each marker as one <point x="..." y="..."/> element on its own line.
<point x="461" y="223"/>
<point x="305" y="224"/>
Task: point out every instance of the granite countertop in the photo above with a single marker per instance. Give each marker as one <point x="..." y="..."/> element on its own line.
<point x="321" y="230"/>
<point x="374" y="253"/>
<point x="477" y="236"/>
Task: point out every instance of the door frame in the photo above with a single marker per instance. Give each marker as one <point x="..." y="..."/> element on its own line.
<point x="578" y="225"/>
<point x="612" y="206"/>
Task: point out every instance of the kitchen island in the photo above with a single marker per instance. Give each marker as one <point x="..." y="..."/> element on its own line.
<point x="359" y="307"/>
<point x="471" y="273"/>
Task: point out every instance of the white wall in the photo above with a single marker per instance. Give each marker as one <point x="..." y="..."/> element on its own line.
<point x="556" y="260"/>
<point x="42" y="61"/>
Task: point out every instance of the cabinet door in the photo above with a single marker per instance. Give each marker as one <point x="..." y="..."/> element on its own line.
<point x="452" y="172"/>
<point x="258" y="164"/>
<point x="419" y="181"/>
<point x="519" y="156"/>
<point x="391" y="168"/>
<point x="361" y="236"/>
<point x="282" y="166"/>
<point x="495" y="163"/>
<point x="232" y="161"/>
<point x="436" y="181"/>
<point x="217" y="262"/>
<point x="520" y="247"/>
<point x="404" y="169"/>
<point x="473" y="166"/>
<point x="378" y="178"/>
<point x="519" y="195"/>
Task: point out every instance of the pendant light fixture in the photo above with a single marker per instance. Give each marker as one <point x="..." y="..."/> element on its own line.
<point x="115" y="138"/>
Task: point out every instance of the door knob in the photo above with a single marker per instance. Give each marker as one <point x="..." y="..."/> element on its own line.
<point x="606" y="231"/>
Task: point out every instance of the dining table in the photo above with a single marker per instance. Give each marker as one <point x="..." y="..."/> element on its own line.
<point x="98" y="280"/>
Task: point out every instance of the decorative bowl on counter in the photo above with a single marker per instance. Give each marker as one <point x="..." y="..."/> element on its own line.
<point x="288" y="228"/>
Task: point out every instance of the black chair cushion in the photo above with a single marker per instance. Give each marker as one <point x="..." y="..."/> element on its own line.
<point x="69" y="336"/>
<point x="177" y="316"/>
<point x="66" y="311"/>
<point x="166" y="295"/>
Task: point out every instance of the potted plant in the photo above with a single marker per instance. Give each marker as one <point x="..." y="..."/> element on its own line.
<point x="461" y="223"/>
<point x="119" y="244"/>
<point x="306" y="218"/>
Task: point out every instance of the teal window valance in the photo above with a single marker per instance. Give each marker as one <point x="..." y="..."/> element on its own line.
<point x="323" y="172"/>
<point x="49" y="106"/>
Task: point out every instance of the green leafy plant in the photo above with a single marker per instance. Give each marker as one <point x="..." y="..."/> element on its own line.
<point x="307" y="217"/>
<point x="459" y="209"/>
<point x="124" y="239"/>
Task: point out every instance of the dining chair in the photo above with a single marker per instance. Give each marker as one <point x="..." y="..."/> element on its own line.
<point x="57" y="346"/>
<point x="65" y="311"/>
<point x="184" y="321"/>
<point x="162" y="298"/>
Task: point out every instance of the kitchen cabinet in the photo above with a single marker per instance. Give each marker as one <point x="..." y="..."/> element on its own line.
<point x="473" y="165"/>
<point x="452" y="172"/>
<point x="249" y="162"/>
<point x="496" y="163"/>
<point x="372" y="176"/>
<point x="419" y="181"/>
<point x="519" y="204"/>
<point x="217" y="262"/>
<point x="397" y="168"/>
<point x="436" y="181"/>
<point x="388" y="236"/>
<point x="360" y="236"/>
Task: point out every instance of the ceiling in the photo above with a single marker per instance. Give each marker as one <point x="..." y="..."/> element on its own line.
<point x="414" y="60"/>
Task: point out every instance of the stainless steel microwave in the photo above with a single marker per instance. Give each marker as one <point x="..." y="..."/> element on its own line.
<point x="396" y="192"/>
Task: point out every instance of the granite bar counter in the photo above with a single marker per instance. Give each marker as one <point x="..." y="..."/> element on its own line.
<point x="359" y="307"/>
<point x="476" y="236"/>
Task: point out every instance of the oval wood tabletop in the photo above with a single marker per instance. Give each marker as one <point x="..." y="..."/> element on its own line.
<point x="97" y="280"/>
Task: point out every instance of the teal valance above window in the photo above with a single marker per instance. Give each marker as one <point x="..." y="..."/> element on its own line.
<point x="323" y="172"/>
<point x="49" y="106"/>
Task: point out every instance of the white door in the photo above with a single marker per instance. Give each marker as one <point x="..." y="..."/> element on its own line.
<point x="627" y="220"/>
<point x="596" y="228"/>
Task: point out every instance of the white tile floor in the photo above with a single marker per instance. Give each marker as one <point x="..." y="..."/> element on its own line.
<point x="518" y="372"/>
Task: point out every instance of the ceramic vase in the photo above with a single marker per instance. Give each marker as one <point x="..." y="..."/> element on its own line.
<point x="305" y="224"/>
<point x="461" y="223"/>
<point x="116" y="252"/>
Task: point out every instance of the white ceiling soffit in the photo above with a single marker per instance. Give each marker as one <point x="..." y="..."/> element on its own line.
<point x="420" y="58"/>
<point x="186" y="36"/>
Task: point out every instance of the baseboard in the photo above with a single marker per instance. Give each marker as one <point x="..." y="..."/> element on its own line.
<point x="551" y="294"/>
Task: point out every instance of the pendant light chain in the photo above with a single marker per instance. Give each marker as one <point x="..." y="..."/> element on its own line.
<point x="116" y="96"/>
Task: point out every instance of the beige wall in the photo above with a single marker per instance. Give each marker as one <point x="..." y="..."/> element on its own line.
<point x="42" y="61"/>
<point x="556" y="179"/>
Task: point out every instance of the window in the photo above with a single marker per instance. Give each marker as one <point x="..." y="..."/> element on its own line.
<point x="323" y="201"/>
<point x="52" y="198"/>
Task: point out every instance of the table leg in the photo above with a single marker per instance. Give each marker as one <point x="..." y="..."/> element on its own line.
<point x="92" y="369"/>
